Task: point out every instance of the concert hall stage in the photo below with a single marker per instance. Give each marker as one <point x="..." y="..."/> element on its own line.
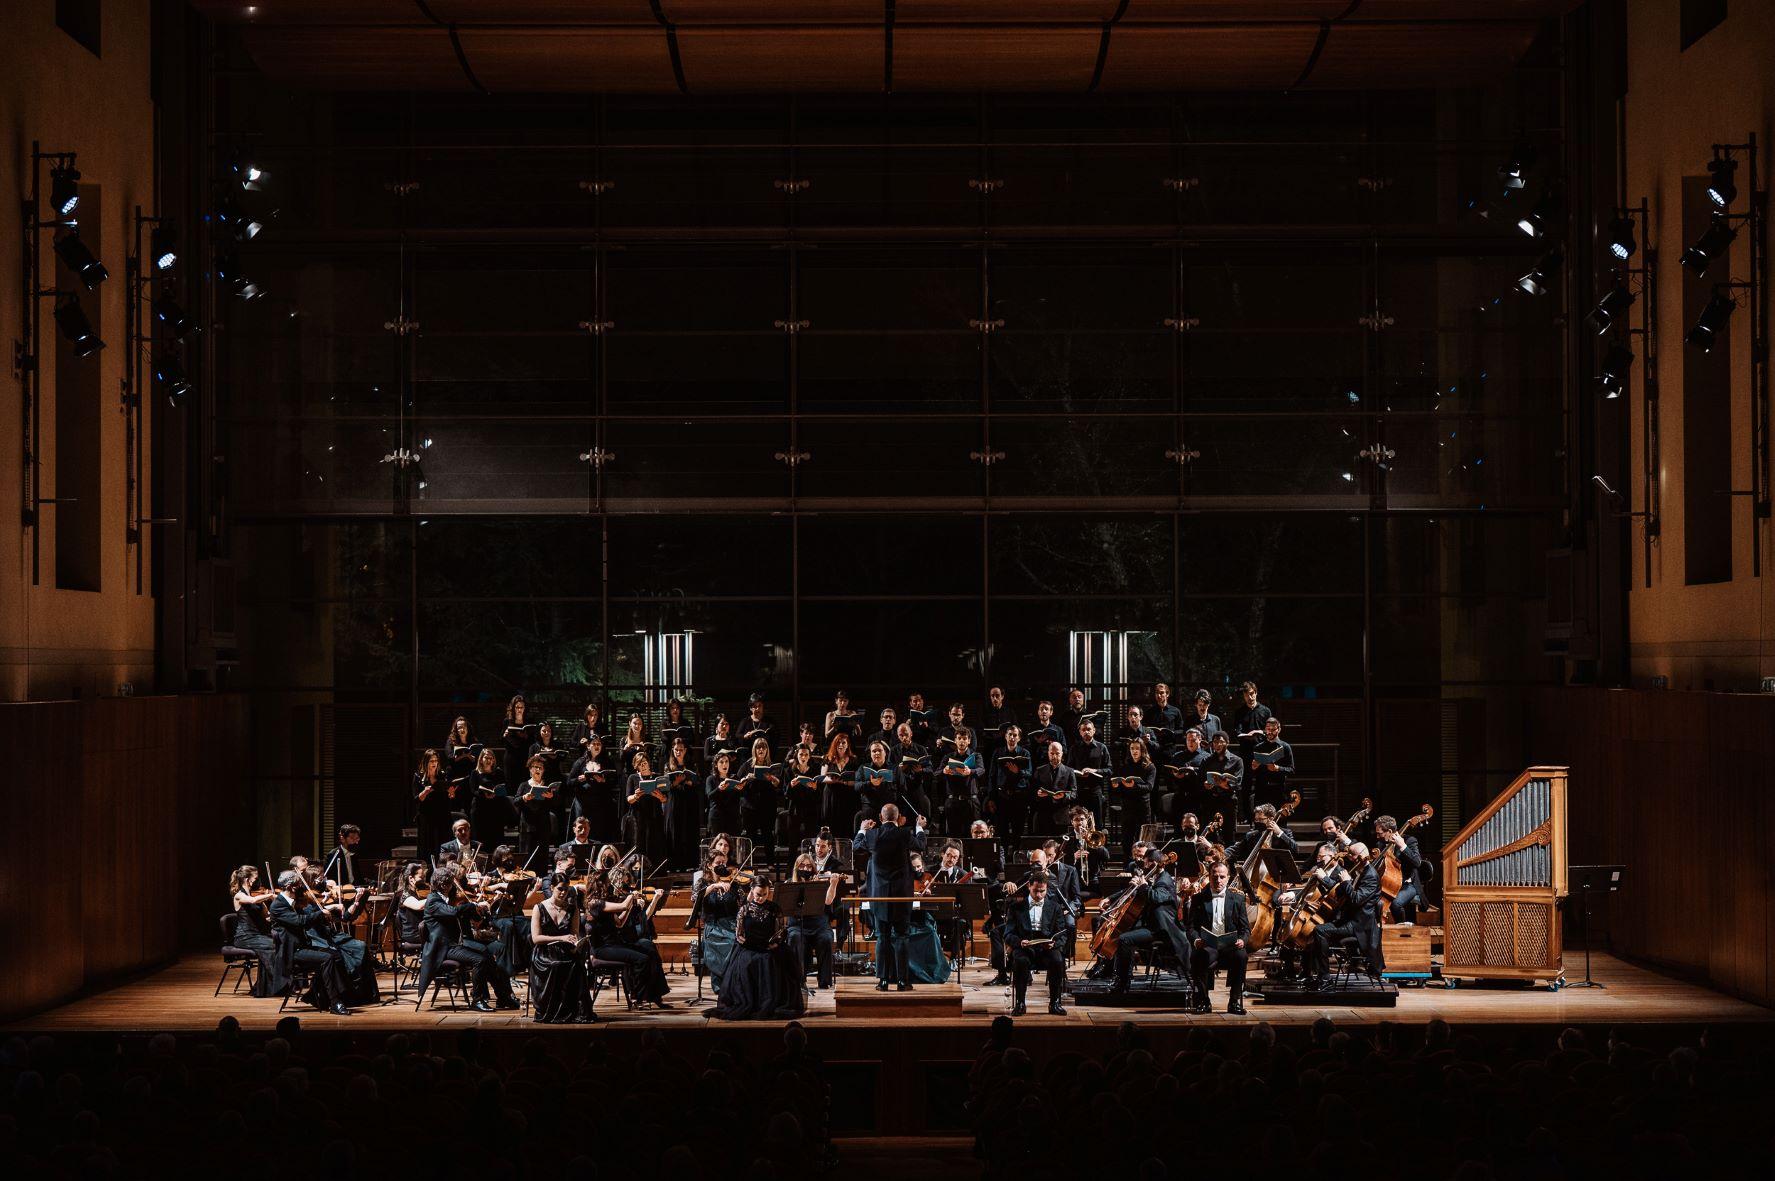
<point x="178" y="998"/>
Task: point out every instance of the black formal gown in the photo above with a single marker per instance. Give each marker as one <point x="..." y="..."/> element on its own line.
<point x="764" y="979"/>
<point x="252" y="932"/>
<point x="560" y="992"/>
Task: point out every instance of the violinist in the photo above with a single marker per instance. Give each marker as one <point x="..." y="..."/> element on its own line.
<point x="1056" y="790"/>
<point x="924" y="960"/>
<point x="1131" y="789"/>
<point x="449" y="916"/>
<point x="813" y="933"/>
<point x="684" y="809"/>
<point x="461" y="848"/>
<point x="1392" y="842"/>
<point x="1358" y="918"/>
<point x="490" y="810"/>
<point x="1007" y="795"/>
<point x="837" y="799"/>
<point x="1036" y="930"/>
<point x="506" y="888"/>
<point x="252" y="928"/>
<point x="646" y="795"/>
<point x="432" y="798"/>
<point x="305" y="944"/>
<point x="1219" y="927"/>
<point x="723" y="790"/>
<point x="622" y="932"/>
<point x="951" y="872"/>
<point x="762" y="797"/>
<point x="1156" y="890"/>
<point x="828" y="865"/>
<point x="536" y="808"/>
<point x="764" y="980"/>
<point x="717" y="901"/>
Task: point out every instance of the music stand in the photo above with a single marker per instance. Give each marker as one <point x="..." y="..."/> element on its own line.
<point x="981" y="851"/>
<point x="1588" y="880"/>
<point x="970" y="904"/>
<point x="1280" y="863"/>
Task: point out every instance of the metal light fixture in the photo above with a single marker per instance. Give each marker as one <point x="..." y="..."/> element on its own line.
<point x="1620" y="238"/>
<point x="172" y="317"/>
<point x="1536" y="222"/>
<point x="77" y="258"/>
<point x="1612" y="305"/>
<point x="64" y="189"/>
<point x="1721" y="187"/>
<point x="1539" y="279"/>
<point x="163" y="246"/>
<point x="1617" y="365"/>
<point x="1710" y="245"/>
<point x="1705" y="334"/>
<point x="71" y="319"/>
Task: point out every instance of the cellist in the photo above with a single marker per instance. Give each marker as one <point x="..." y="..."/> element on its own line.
<point x="1155" y="890"/>
<point x="1396" y="845"/>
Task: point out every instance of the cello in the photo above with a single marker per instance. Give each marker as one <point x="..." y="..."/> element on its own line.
<point x="1121" y="913"/>
<point x="1392" y="871"/>
<point x="1262" y="886"/>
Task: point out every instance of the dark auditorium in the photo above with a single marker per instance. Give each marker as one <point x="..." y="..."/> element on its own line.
<point x="858" y="589"/>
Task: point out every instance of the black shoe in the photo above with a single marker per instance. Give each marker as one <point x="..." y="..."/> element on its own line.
<point x="1202" y="1006"/>
<point x="1236" y="1007"/>
<point x="903" y="986"/>
<point x="1119" y="988"/>
<point x="339" y="1010"/>
<point x="1056" y="1008"/>
<point x="1318" y="984"/>
<point x="998" y="981"/>
<point x="481" y="1007"/>
<point x="510" y="1002"/>
<point x="881" y="986"/>
<point x="1017" y="1010"/>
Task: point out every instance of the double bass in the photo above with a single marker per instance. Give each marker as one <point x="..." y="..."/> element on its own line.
<point x="1391" y="870"/>
<point x="1262" y="886"/>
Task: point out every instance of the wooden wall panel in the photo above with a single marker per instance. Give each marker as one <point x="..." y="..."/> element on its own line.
<point x="129" y="812"/>
<point x="1676" y="786"/>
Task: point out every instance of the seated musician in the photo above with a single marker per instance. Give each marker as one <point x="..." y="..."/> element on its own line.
<point x="1219" y="926"/>
<point x="448" y="933"/>
<point x="1404" y="906"/>
<point x="950" y="872"/>
<point x="621" y="930"/>
<point x="305" y="944"/>
<point x="342" y="863"/>
<point x="461" y="848"/>
<point x="1331" y="832"/>
<point x="507" y="889"/>
<point x="1158" y="919"/>
<point x="762" y="981"/>
<point x="1035" y="931"/>
<point x="578" y="851"/>
<point x="1264" y="824"/>
<point x="1358" y="917"/>
<point x="812" y="934"/>
<point x="1085" y="849"/>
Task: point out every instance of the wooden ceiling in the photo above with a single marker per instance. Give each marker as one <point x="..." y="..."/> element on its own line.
<point x="871" y="46"/>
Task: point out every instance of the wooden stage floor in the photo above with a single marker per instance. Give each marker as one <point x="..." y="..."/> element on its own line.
<point x="178" y="998"/>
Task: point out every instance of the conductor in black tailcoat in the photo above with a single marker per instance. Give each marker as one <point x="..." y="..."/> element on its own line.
<point x="890" y="846"/>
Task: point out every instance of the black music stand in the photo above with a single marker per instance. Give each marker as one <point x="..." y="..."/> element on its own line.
<point x="1589" y="880"/>
<point x="981" y="851"/>
<point x="970" y="904"/>
<point x="802" y="900"/>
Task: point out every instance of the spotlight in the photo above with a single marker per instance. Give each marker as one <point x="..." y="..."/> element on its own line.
<point x="1710" y="245"/>
<point x="1620" y="238"/>
<point x="247" y="175"/>
<point x="77" y="258"/>
<point x="64" y="189"/>
<point x="77" y="328"/>
<point x="234" y="281"/>
<point x="163" y="247"/>
<point x="177" y="324"/>
<point x="1512" y="172"/>
<point x="1721" y="188"/>
<point x="241" y="224"/>
<point x="171" y="379"/>
<point x="1536" y="221"/>
<point x="1615" y="302"/>
<point x="1539" y="279"/>
<point x="1713" y="317"/>
<point x="1617" y="365"/>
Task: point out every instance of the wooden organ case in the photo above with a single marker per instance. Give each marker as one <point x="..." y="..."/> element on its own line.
<point x="1503" y="876"/>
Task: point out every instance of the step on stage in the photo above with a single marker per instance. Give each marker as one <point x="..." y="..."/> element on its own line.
<point x="179" y="997"/>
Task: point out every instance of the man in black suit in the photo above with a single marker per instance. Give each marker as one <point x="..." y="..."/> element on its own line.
<point x="1219" y="927"/>
<point x="1416" y="870"/>
<point x="1054" y="789"/>
<point x="342" y="866"/>
<point x="461" y="849"/>
<point x="305" y="943"/>
<point x="1358" y="918"/>
<point x="1158" y="921"/>
<point x="890" y="846"/>
<point x="1090" y="761"/>
<point x="447" y="933"/>
<point x="1042" y="920"/>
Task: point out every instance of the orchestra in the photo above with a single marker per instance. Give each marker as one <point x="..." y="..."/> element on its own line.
<point x="1039" y="809"/>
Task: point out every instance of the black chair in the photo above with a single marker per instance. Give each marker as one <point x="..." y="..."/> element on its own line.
<point x="1348" y="959"/>
<point x="235" y="959"/>
<point x="406" y="963"/>
<point x="301" y="979"/>
<point x="602" y="974"/>
<point x="453" y="975"/>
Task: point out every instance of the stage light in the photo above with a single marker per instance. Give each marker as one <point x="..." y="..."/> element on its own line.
<point x="1536" y="221"/>
<point x="1613" y="303"/>
<point x="77" y="328"/>
<point x="1620" y="238"/>
<point x="249" y="176"/>
<point x="173" y="318"/>
<point x="1539" y="279"/>
<point x="1512" y="173"/>
<point x="163" y="247"/>
<point x="1721" y="187"/>
<point x="172" y="380"/>
<point x="237" y="283"/>
<point x="1710" y="245"/>
<point x="64" y="189"/>
<point x="77" y="258"/>
<point x="1713" y="317"/>
<point x="1617" y="365"/>
<point x="241" y="224"/>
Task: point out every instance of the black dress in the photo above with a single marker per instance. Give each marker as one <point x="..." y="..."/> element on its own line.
<point x="252" y="932"/>
<point x="643" y="974"/>
<point x="763" y="980"/>
<point x="559" y="987"/>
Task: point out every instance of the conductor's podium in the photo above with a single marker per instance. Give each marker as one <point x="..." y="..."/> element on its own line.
<point x="857" y="997"/>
